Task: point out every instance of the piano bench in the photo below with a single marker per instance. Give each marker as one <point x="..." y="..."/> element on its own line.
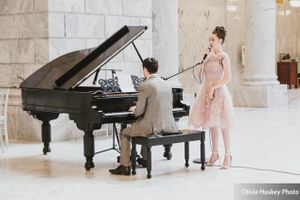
<point x="184" y="136"/>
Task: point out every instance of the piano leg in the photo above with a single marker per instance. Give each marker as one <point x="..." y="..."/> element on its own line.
<point x="46" y="128"/>
<point x="89" y="149"/>
<point x="88" y="140"/>
<point x="46" y="136"/>
<point x="167" y="153"/>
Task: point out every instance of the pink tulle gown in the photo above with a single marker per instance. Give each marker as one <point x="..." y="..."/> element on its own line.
<point x="216" y="112"/>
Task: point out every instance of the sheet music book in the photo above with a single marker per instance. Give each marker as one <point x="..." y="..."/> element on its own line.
<point x="125" y="83"/>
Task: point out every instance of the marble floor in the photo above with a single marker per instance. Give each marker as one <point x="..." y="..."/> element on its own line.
<point x="265" y="148"/>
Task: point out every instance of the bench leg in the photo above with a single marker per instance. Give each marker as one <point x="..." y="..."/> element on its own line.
<point x="149" y="162"/>
<point x="186" y="153"/>
<point x="202" y="151"/>
<point x="133" y="157"/>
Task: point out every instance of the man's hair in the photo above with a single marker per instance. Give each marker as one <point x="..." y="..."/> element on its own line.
<point x="151" y="64"/>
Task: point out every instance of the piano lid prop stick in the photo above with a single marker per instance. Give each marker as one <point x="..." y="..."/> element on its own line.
<point x="138" y="53"/>
<point x="96" y="77"/>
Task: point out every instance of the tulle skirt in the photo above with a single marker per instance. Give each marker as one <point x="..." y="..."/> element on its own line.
<point x="212" y="113"/>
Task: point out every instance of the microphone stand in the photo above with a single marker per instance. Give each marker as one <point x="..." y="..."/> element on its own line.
<point x="203" y="59"/>
<point x="195" y="65"/>
<point x="198" y="160"/>
<point x="115" y="133"/>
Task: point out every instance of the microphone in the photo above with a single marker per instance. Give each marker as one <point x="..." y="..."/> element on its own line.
<point x="205" y="55"/>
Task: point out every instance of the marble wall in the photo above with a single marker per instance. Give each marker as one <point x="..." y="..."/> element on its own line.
<point x="22" y="29"/>
<point x="83" y="24"/>
<point x="165" y="38"/>
<point x="198" y="18"/>
<point x="236" y="37"/>
<point x="23" y="49"/>
<point x="33" y="32"/>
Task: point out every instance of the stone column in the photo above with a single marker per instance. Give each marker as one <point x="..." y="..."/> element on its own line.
<point x="165" y="38"/>
<point x="260" y="87"/>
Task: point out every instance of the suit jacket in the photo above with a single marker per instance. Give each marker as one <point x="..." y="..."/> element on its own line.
<point x="153" y="109"/>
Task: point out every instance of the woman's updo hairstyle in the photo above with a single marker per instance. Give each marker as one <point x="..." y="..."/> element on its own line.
<point x="220" y="32"/>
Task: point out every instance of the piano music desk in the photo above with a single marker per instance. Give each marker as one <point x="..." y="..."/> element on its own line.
<point x="185" y="136"/>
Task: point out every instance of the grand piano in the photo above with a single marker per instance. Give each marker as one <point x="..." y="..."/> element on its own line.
<point x="57" y="88"/>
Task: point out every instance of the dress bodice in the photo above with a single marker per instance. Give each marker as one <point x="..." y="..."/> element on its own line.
<point x="213" y="68"/>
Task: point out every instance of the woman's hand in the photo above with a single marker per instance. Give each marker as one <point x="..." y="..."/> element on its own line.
<point x="211" y="93"/>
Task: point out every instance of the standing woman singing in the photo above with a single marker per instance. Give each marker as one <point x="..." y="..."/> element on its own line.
<point x="213" y="106"/>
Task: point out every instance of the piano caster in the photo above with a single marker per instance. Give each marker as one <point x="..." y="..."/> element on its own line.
<point x="168" y="155"/>
<point x="89" y="165"/>
<point x="46" y="150"/>
<point x="133" y="172"/>
<point x="202" y="167"/>
<point x="87" y="168"/>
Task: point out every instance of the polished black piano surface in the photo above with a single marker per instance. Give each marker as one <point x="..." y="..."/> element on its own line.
<point x="56" y="88"/>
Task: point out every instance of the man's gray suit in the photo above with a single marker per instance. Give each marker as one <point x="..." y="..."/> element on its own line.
<point x="154" y="114"/>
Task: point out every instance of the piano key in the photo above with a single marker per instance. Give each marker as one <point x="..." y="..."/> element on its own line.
<point x="117" y="114"/>
<point x="177" y="109"/>
<point x="131" y="113"/>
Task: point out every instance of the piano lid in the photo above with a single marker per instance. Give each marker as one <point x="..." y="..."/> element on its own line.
<point x="71" y="69"/>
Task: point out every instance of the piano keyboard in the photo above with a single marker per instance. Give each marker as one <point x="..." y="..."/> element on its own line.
<point x="126" y="113"/>
<point x="118" y="114"/>
<point x="177" y="109"/>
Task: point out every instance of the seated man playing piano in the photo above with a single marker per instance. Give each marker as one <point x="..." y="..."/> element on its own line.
<point x="153" y="111"/>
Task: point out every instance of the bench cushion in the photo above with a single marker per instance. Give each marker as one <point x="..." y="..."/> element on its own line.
<point x="184" y="136"/>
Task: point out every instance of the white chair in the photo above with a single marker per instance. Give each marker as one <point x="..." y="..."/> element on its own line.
<point x="4" y="94"/>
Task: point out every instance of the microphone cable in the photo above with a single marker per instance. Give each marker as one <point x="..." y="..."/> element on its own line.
<point x="195" y="77"/>
<point x="254" y="168"/>
<point x="201" y="63"/>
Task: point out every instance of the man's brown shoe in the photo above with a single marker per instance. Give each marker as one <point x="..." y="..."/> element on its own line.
<point x="121" y="170"/>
